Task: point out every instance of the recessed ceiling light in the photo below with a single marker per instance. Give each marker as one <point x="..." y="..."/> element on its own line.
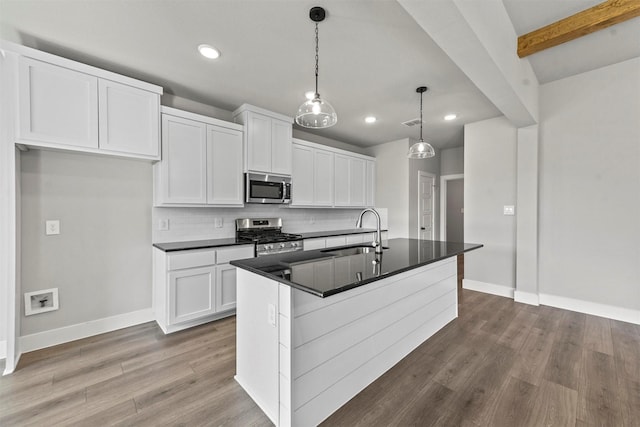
<point x="208" y="51"/>
<point x="450" y="116"/>
<point x="370" y="119"/>
<point x="309" y="94"/>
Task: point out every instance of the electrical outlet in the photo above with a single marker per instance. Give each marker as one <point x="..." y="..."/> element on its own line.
<point x="312" y="220"/>
<point x="217" y="222"/>
<point x="163" y="224"/>
<point x="271" y="314"/>
<point x="509" y="210"/>
<point x="52" y="226"/>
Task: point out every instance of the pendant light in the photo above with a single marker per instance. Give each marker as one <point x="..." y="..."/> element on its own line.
<point x="316" y="113"/>
<point x="421" y="149"/>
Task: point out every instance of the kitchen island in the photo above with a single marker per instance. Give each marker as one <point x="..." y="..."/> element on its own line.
<point x="316" y="327"/>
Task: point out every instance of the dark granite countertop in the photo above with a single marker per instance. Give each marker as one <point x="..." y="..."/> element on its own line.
<point x="199" y="244"/>
<point x="318" y="234"/>
<point x="231" y="241"/>
<point x="323" y="273"/>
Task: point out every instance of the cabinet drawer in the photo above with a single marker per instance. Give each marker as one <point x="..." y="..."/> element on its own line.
<point x="230" y="254"/>
<point x="190" y="259"/>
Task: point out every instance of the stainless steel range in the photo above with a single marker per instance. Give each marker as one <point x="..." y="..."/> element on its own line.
<point x="267" y="234"/>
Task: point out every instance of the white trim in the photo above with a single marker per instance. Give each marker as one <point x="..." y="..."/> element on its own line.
<point x="593" y="308"/>
<point x="433" y="205"/>
<point x="487" y="288"/>
<point x="83" y="330"/>
<point x="526" y="297"/>
<point x="443" y="201"/>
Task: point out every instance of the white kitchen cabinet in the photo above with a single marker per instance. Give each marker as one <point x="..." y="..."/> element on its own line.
<point x="311" y="244"/>
<point x="370" y="184"/>
<point x="128" y="119"/>
<point x="224" y="166"/>
<point x="336" y="241"/>
<point x="225" y="287"/>
<point x="182" y="173"/>
<point x="57" y="105"/>
<point x="312" y="176"/>
<point x="66" y="105"/>
<point x="267" y="140"/>
<point x="350" y="181"/>
<point x="191" y="287"/>
<point x="191" y="294"/>
<point x="201" y="161"/>
<point x="302" y="176"/>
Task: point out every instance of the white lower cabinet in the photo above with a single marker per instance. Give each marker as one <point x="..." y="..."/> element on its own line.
<point x="192" y="294"/>
<point x="196" y="286"/>
<point x="333" y="241"/>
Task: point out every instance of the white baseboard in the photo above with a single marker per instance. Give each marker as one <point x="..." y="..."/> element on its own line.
<point x="3" y="349"/>
<point x="526" y="297"/>
<point x="593" y="308"/>
<point x="487" y="288"/>
<point x="83" y="330"/>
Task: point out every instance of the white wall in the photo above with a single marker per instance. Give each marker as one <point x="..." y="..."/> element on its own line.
<point x="590" y="186"/>
<point x="392" y="189"/>
<point x="452" y="161"/>
<point x="490" y="184"/>
<point x="101" y="261"/>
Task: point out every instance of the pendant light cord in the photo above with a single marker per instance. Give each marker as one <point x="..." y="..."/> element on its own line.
<point x="316" y="59"/>
<point x="421" y="140"/>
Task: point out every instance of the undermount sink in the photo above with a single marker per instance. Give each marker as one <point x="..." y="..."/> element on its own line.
<point x="352" y="250"/>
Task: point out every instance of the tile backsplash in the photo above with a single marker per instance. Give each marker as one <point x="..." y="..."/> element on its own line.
<point x="200" y="223"/>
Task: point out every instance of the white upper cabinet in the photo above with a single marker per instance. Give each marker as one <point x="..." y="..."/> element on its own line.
<point x="350" y="181"/>
<point x="267" y="140"/>
<point x="128" y="119"/>
<point x="66" y="105"/>
<point x="312" y="177"/>
<point x="329" y="177"/>
<point x="183" y="169"/>
<point x="57" y="105"/>
<point x="201" y="161"/>
<point x="224" y="166"/>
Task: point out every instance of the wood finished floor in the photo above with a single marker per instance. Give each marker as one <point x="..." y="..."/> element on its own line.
<point x="499" y="364"/>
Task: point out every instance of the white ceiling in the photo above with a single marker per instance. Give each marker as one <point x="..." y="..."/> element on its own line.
<point x="373" y="55"/>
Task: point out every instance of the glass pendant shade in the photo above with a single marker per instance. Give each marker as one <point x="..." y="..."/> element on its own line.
<point x="421" y="150"/>
<point x="316" y="113"/>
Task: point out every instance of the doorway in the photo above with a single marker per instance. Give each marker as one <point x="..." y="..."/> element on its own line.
<point x="452" y="208"/>
<point x="426" y="203"/>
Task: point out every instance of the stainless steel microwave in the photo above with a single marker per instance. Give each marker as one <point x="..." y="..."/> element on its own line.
<point x="267" y="188"/>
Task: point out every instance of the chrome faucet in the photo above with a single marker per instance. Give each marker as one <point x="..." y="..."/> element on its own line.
<point x="378" y="242"/>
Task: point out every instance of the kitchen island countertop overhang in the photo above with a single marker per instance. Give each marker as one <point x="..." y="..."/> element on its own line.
<point x="296" y="269"/>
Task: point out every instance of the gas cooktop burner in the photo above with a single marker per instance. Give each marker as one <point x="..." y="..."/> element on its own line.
<point x="267" y="234"/>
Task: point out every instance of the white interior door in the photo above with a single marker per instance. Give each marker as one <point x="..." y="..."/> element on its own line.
<point x="426" y="184"/>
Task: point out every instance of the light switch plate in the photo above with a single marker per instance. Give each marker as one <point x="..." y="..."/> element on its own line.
<point x="509" y="210"/>
<point x="163" y="224"/>
<point x="52" y="227"/>
<point x="217" y="222"/>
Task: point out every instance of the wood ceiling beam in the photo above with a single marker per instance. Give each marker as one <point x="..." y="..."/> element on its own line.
<point x="582" y="23"/>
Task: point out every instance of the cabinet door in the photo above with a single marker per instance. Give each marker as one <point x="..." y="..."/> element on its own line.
<point x="191" y="294"/>
<point x="357" y="173"/>
<point x="259" y="143"/>
<point x="341" y="184"/>
<point x="353" y="239"/>
<point x="370" y="184"/>
<point x="183" y="169"/>
<point x="281" y="147"/>
<point x="225" y="287"/>
<point x="323" y="178"/>
<point x="129" y="119"/>
<point x="57" y="105"/>
<point x="336" y="241"/>
<point x="310" y="244"/>
<point x="302" y="176"/>
<point x="224" y="166"/>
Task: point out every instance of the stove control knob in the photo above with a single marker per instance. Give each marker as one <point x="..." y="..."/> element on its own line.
<point x="282" y="245"/>
<point x="268" y="246"/>
<point x="294" y="244"/>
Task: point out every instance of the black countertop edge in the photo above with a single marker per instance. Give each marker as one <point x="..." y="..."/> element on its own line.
<point x="200" y="244"/>
<point x="231" y="241"/>
<point x="245" y="265"/>
<point x="319" y="234"/>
